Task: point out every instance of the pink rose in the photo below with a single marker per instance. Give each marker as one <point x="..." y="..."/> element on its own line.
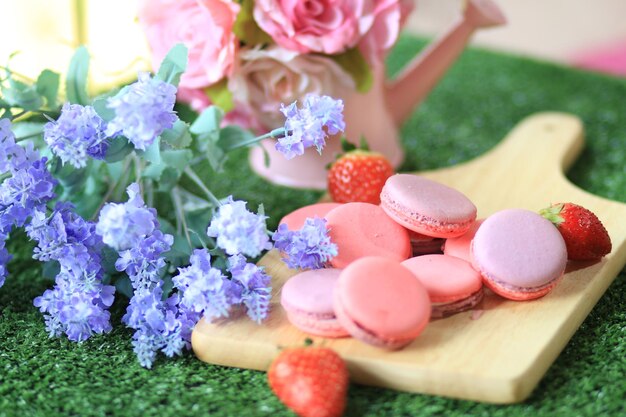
<point x="381" y="35"/>
<point x="265" y="78"/>
<point x="327" y="26"/>
<point x="204" y="26"/>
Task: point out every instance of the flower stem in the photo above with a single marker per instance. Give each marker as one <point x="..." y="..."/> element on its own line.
<point x="22" y="76"/>
<point x="180" y="213"/>
<point x="32" y="135"/>
<point x="194" y="177"/>
<point x="276" y="133"/>
<point x="112" y="188"/>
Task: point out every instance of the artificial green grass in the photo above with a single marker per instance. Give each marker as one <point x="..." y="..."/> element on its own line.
<point x="477" y="103"/>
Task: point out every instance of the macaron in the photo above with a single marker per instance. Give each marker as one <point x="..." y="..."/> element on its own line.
<point x="363" y="229"/>
<point x="308" y="300"/>
<point x="295" y="220"/>
<point x="379" y="301"/>
<point x="452" y="284"/>
<point x="424" y="245"/>
<point x="520" y="255"/>
<point x="426" y="206"/>
<point x="460" y="246"/>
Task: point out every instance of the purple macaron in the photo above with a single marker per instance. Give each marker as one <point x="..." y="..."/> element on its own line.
<point x="520" y="255"/>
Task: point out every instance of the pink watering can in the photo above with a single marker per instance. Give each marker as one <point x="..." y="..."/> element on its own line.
<point x="377" y="114"/>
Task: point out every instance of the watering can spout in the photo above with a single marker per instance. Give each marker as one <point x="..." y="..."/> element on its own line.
<point x="422" y="74"/>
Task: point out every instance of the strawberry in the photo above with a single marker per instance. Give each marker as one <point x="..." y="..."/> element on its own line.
<point x="312" y="381"/>
<point x="585" y="237"/>
<point x="358" y="175"/>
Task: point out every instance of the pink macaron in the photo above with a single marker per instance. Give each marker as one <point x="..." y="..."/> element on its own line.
<point x="308" y="300"/>
<point x="379" y="301"/>
<point x="452" y="284"/>
<point x="520" y="255"/>
<point x="363" y="229"/>
<point x="426" y="206"/>
<point x="295" y="220"/>
<point x="460" y="246"/>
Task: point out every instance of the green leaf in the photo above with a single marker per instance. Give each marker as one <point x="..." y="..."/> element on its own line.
<point x="152" y="152"/>
<point x="154" y="171"/>
<point x="353" y="62"/>
<point x="115" y="170"/>
<point x="173" y="65"/>
<point x="22" y="95"/>
<point x="118" y="149"/>
<point x="124" y="286"/>
<point x="71" y="179"/>
<point x="220" y="95"/>
<point x="23" y="129"/>
<point x="50" y="269"/>
<point x="100" y="106"/>
<point x="76" y="78"/>
<point x="213" y="152"/>
<point x="168" y="180"/>
<point x="207" y="129"/>
<point x="109" y="256"/>
<point x="246" y="29"/>
<point x="180" y="249"/>
<point x="48" y="86"/>
<point x="177" y="158"/>
<point x="178" y="136"/>
<point x="232" y="136"/>
<point x="208" y="121"/>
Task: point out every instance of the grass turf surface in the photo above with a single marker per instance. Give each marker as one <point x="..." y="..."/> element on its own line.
<point x="478" y="102"/>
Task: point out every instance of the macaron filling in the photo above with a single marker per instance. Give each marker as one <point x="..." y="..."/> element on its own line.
<point x="526" y="293"/>
<point x="319" y="326"/>
<point x="445" y="309"/>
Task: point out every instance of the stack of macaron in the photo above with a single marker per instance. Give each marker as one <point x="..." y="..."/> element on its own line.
<point x="420" y="254"/>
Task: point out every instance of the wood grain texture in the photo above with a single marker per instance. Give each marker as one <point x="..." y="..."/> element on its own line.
<point x="500" y="356"/>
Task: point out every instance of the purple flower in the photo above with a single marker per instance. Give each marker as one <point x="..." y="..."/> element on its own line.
<point x="238" y="230"/>
<point x="78" y="314"/>
<point x="144" y="262"/>
<point x="29" y="188"/>
<point x="13" y="157"/>
<point x="160" y="325"/>
<point x="143" y="110"/>
<point x="79" y="133"/>
<point x="78" y="304"/>
<point x="319" y="117"/>
<point x="5" y="257"/>
<point x="307" y="248"/>
<point x="255" y="291"/>
<point x="205" y="290"/>
<point x="123" y="226"/>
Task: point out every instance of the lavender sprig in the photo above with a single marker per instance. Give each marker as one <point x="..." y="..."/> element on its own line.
<point x="79" y="133"/>
<point x="160" y="325"/>
<point x="310" y="125"/>
<point x="307" y="248"/>
<point x="238" y="230"/>
<point x="143" y="111"/>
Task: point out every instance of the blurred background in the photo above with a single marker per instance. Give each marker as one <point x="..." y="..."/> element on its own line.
<point x="574" y="32"/>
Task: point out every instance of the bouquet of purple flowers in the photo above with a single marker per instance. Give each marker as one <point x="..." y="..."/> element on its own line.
<point x="178" y="252"/>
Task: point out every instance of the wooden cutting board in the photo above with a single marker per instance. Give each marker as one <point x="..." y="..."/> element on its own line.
<point x="498" y="356"/>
